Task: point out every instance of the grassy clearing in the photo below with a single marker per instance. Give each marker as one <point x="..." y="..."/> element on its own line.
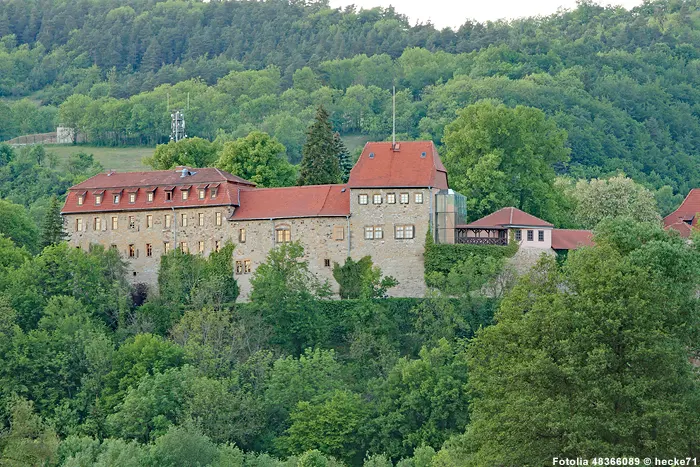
<point x="118" y="159"/>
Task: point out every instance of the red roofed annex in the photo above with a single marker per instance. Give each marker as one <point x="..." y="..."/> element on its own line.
<point x="384" y="211"/>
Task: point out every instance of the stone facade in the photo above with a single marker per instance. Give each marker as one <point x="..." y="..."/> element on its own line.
<point x="401" y="258"/>
<point x="384" y="212"/>
<point x="132" y="240"/>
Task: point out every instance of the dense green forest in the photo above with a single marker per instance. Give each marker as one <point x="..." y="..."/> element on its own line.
<point x="623" y="84"/>
<point x="588" y="355"/>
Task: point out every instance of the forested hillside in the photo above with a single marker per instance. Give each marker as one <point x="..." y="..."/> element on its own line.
<point x="623" y="84"/>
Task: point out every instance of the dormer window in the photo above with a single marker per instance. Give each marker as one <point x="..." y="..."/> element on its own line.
<point x="149" y="197"/>
<point x="115" y="199"/>
<point x="81" y="200"/>
<point x="185" y="192"/>
<point x="214" y="191"/>
<point x="202" y="192"/>
<point x="169" y="193"/>
<point x="98" y="199"/>
<point x="132" y="197"/>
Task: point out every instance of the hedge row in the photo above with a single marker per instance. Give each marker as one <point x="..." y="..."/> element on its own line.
<point x="442" y="258"/>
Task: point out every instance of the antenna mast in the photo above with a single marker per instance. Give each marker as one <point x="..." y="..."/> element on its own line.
<point x="393" y="119"/>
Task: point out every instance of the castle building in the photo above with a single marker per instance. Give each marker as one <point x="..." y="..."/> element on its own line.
<point x="686" y="217"/>
<point x="383" y="211"/>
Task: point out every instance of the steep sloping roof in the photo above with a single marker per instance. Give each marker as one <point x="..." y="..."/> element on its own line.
<point x="159" y="178"/>
<point x="298" y="201"/>
<point x="687" y="211"/>
<point x="410" y="164"/>
<point x="507" y="217"/>
<point x="565" y="239"/>
<point x="227" y="195"/>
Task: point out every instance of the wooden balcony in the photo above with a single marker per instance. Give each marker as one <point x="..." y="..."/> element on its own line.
<point x="471" y="236"/>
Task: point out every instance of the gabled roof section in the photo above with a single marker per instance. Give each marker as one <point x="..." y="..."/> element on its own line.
<point x="293" y="202"/>
<point x="408" y="164"/>
<point x="686" y="216"/>
<point x="159" y="182"/>
<point x="170" y="177"/>
<point x="508" y="217"/>
<point x="566" y="239"/>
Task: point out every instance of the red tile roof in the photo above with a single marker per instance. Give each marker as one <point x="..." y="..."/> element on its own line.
<point x="412" y="164"/>
<point x="159" y="178"/>
<point x="160" y="181"/>
<point x="687" y="211"/>
<point x="506" y="217"/>
<point x="298" y="201"/>
<point x="565" y="239"/>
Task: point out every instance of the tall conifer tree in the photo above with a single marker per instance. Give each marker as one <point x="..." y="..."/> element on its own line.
<point x="343" y="157"/>
<point x="52" y="229"/>
<point x="319" y="163"/>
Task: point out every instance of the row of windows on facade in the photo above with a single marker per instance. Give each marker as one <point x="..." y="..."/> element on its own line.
<point x="150" y="195"/>
<point x="133" y="252"/>
<point x="167" y="221"/>
<point x="401" y="232"/>
<point x="390" y="198"/>
<point x="530" y="235"/>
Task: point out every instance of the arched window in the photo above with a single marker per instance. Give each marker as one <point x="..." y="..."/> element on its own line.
<point x="283" y="234"/>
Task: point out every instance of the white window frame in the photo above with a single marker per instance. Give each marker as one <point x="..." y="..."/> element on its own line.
<point x="241" y="235"/>
<point x="200" y="217"/>
<point x="115" y="222"/>
<point x="98" y="200"/>
<point x="149" y="221"/>
<point x="132" y="197"/>
<point x="540" y="235"/>
<point x="184" y="194"/>
<point x="404" y="198"/>
<point x="377" y="198"/>
<point x="202" y="193"/>
<point x="418" y="198"/>
<point x="391" y="198"/>
<point x="167" y="222"/>
<point x="149" y="197"/>
<point x="363" y="199"/>
<point x="183" y="220"/>
<point x="218" y="217"/>
<point x="81" y="200"/>
<point x="283" y="234"/>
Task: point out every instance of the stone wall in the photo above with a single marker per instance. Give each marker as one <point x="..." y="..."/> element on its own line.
<point x="326" y="240"/>
<point x="400" y="258"/>
<point x="144" y="268"/>
<point x="321" y="248"/>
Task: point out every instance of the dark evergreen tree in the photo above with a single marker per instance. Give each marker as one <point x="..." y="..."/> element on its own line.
<point x="343" y="157"/>
<point x="52" y="229"/>
<point x="319" y="163"/>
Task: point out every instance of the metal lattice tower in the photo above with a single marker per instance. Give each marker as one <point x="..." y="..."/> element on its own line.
<point x="177" y="125"/>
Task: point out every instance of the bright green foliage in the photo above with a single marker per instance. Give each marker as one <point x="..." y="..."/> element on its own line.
<point x="16" y="225"/>
<point x="151" y="407"/>
<point x="330" y="425"/>
<point x="191" y="152"/>
<point x="183" y="447"/>
<point x="138" y="357"/>
<point x="49" y="364"/>
<point x="422" y="457"/>
<point x="72" y="114"/>
<point x="97" y="278"/>
<point x="29" y="440"/>
<point x="52" y="229"/>
<point x="215" y="340"/>
<point x="258" y="158"/>
<point x="499" y="156"/>
<point x="185" y="278"/>
<point x="361" y="278"/>
<point x="11" y="257"/>
<point x="305" y="80"/>
<point x="343" y="157"/>
<point x="441" y="258"/>
<point x="320" y="163"/>
<point x="617" y="196"/>
<point x="437" y="317"/>
<point x="285" y="292"/>
<point x="423" y="401"/>
<point x="292" y="380"/>
<point x="591" y="360"/>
